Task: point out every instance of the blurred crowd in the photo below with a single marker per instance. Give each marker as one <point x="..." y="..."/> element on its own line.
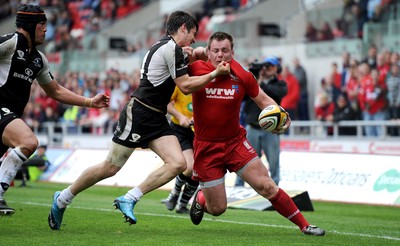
<point x="366" y="89"/>
<point x="69" y="20"/>
<point x="354" y="15"/>
<point x="362" y="89"/>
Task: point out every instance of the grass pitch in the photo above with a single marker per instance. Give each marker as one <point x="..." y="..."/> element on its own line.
<point x="92" y="220"/>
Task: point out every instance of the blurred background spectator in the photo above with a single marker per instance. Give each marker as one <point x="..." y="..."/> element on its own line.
<point x="393" y="97"/>
<point x="344" y="111"/>
<point x="372" y="99"/>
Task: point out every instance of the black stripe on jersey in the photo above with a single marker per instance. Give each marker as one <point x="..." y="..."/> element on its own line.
<point x="6" y="37"/>
<point x="180" y="63"/>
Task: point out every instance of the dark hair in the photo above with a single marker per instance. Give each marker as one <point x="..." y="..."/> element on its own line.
<point x="219" y="36"/>
<point x="177" y="19"/>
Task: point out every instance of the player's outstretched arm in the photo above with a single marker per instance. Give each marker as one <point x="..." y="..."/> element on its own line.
<point x="63" y="95"/>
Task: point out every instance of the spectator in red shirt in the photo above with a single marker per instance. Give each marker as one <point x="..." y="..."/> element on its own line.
<point x="372" y="99"/>
<point x="311" y="32"/>
<point x="324" y="110"/>
<point x="336" y="76"/>
<point x="326" y="33"/>
<point x="291" y="100"/>
<point x="45" y="101"/>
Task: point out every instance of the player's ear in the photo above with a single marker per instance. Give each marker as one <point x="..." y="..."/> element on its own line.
<point x="184" y="28"/>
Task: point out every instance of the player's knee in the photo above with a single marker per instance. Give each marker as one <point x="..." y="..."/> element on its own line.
<point x="269" y="188"/>
<point x="29" y="146"/>
<point x="216" y="210"/>
<point x="109" y="170"/>
<point x="178" y="167"/>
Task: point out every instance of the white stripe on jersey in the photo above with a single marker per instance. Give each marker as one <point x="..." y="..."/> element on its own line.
<point x="128" y="121"/>
<point x="7" y="49"/>
<point x="162" y="64"/>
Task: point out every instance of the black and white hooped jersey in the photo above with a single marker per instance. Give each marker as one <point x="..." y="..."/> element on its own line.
<point x="164" y="62"/>
<point x="18" y="69"/>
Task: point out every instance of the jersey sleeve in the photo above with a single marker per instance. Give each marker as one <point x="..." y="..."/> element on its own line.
<point x="248" y="79"/>
<point x="44" y="76"/>
<point x="252" y="86"/>
<point x="176" y="62"/>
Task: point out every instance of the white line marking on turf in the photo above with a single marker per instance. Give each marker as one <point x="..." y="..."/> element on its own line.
<point x="225" y="221"/>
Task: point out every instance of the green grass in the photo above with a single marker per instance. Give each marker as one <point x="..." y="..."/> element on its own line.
<point x="92" y="220"/>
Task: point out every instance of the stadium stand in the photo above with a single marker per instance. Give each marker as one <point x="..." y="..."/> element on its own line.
<point x="83" y="57"/>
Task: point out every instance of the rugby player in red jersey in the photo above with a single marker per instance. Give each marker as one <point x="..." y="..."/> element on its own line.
<point x="220" y="141"/>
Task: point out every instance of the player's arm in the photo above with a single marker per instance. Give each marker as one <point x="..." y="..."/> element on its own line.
<point x="263" y="100"/>
<point x="183" y="120"/>
<point x="63" y="95"/>
<point x="188" y="84"/>
<point x="199" y="53"/>
<point x="46" y="80"/>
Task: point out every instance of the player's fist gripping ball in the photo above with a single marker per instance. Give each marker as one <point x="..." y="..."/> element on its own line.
<point x="272" y="117"/>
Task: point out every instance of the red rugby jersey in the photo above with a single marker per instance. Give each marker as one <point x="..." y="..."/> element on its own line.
<point x="216" y="107"/>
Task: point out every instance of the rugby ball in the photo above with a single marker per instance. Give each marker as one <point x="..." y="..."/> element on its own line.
<point x="272" y="117"/>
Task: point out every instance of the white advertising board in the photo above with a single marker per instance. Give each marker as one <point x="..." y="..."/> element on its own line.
<point x="353" y="178"/>
<point x="139" y="165"/>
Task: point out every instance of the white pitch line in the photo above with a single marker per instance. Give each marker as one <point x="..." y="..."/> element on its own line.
<point x="225" y="221"/>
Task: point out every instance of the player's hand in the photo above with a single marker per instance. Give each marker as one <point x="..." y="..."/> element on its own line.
<point x="285" y="127"/>
<point x="185" y="122"/>
<point x="100" y="101"/>
<point x="223" y="68"/>
<point x="189" y="51"/>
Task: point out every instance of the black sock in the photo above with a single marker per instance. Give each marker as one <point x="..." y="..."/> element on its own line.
<point x="179" y="182"/>
<point x="190" y="189"/>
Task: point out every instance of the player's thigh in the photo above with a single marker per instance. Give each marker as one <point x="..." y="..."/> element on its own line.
<point x="169" y="150"/>
<point x="118" y="155"/>
<point x="257" y="176"/>
<point x="17" y="133"/>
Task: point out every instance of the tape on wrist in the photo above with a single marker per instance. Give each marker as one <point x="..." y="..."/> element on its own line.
<point x="213" y="74"/>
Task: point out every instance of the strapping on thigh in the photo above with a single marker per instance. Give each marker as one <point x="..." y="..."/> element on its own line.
<point x="118" y="154"/>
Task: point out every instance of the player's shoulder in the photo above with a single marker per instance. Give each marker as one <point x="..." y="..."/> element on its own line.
<point x="241" y="70"/>
<point x="8" y="36"/>
<point x="200" y="64"/>
<point x="239" y="66"/>
<point x="8" y="41"/>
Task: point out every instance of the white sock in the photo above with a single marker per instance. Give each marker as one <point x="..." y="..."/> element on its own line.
<point x="9" y="168"/>
<point x="134" y="194"/>
<point x="65" y="198"/>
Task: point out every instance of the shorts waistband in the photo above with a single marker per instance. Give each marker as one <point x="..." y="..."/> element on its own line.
<point x="148" y="106"/>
